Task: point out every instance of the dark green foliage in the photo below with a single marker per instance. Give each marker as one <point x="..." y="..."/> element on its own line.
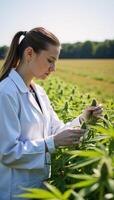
<point x="84" y="126"/>
<point x="94" y="102"/>
<point x="92" y="119"/>
<point x="88" y="49"/>
<point x="3" y="52"/>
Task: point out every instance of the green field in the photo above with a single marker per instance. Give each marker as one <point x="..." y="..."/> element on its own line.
<point x="90" y="75"/>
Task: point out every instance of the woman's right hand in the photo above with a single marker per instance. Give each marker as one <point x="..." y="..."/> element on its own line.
<point x="68" y="137"/>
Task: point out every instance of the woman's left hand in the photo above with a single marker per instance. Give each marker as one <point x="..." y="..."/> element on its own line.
<point x="91" y="111"/>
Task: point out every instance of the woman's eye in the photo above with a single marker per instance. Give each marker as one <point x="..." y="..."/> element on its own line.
<point x="50" y="61"/>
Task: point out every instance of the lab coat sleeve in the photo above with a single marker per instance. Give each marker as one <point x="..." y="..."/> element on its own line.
<point x="13" y="152"/>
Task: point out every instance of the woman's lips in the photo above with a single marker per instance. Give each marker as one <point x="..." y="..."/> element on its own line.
<point x="47" y="74"/>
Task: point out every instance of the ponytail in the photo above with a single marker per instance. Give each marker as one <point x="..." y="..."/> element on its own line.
<point x="38" y="38"/>
<point x="12" y="56"/>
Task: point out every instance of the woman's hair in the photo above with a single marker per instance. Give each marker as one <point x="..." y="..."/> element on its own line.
<point x="37" y="38"/>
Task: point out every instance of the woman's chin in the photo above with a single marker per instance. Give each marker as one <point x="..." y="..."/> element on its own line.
<point x="44" y="76"/>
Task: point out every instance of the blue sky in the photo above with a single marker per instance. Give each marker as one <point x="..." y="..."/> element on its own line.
<point x="70" y="20"/>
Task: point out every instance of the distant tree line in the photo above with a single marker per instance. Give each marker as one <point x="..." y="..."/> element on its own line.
<point x="88" y="49"/>
<point x="3" y="51"/>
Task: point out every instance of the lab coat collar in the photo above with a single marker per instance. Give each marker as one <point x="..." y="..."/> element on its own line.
<point x="16" y="78"/>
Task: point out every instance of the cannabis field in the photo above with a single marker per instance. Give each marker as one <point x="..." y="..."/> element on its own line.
<point x="84" y="171"/>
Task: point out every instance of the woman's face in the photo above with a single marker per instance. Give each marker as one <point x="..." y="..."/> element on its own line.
<point x="43" y="64"/>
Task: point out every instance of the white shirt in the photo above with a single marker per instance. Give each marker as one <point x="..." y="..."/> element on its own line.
<point x="24" y="129"/>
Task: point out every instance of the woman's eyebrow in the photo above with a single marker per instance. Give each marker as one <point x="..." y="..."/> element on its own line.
<point x="53" y="57"/>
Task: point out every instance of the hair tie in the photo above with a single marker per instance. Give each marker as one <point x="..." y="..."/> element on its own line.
<point x="24" y="33"/>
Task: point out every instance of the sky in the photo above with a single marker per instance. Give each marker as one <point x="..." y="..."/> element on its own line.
<point x="70" y="20"/>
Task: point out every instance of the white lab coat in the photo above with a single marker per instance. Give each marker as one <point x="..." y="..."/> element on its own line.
<point x="24" y="129"/>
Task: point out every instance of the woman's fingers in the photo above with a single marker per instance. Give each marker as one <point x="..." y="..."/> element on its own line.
<point x="93" y="108"/>
<point x="97" y="112"/>
<point x="89" y="111"/>
<point x="78" y="131"/>
<point x="76" y="140"/>
<point x="68" y="137"/>
<point x="98" y="116"/>
<point x="76" y="135"/>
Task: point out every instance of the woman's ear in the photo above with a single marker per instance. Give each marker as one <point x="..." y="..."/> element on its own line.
<point x="28" y="54"/>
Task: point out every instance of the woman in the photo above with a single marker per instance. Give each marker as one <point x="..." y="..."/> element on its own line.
<point x="29" y="128"/>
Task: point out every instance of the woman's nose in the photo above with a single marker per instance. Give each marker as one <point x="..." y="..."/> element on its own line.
<point x="52" y="68"/>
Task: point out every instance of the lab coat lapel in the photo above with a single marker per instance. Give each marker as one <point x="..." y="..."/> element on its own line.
<point x="43" y="104"/>
<point x="34" y="103"/>
<point x="41" y="98"/>
<point x="42" y="101"/>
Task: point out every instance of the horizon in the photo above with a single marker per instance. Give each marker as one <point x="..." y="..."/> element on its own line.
<point x="75" y="42"/>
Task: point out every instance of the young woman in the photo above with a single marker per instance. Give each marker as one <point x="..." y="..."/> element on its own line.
<point x="29" y="128"/>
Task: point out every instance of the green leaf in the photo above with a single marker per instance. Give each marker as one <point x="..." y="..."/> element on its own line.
<point x="84" y="183"/>
<point x="98" y="138"/>
<point x="36" y="193"/>
<point x="67" y="194"/>
<point x="54" y="190"/>
<point x="111" y="185"/>
<point x="88" y="153"/>
<point x="80" y="176"/>
<point x="84" y="163"/>
<point x="77" y="196"/>
<point x="106" y="131"/>
<point x="87" y="190"/>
